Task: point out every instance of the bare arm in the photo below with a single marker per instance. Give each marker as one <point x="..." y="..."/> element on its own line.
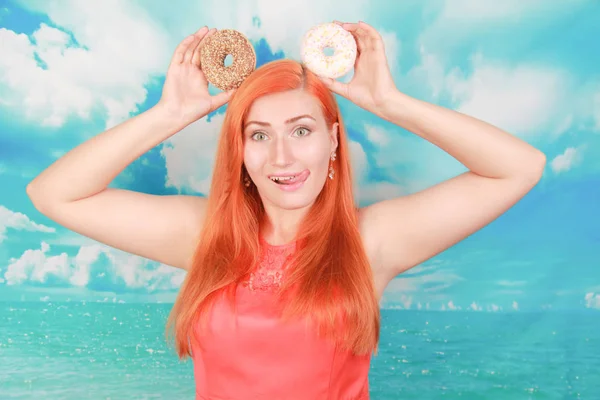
<point x="74" y="192"/>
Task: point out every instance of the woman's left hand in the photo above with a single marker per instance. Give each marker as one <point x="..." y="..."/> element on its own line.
<point x="372" y="83"/>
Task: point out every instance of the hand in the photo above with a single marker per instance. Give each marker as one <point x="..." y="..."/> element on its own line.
<point x="185" y="91"/>
<point x="372" y="82"/>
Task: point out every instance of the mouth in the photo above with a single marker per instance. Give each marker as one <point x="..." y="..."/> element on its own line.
<point x="290" y="182"/>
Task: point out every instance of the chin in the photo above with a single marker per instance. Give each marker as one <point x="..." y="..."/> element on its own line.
<point x="295" y="204"/>
<point x="291" y="201"/>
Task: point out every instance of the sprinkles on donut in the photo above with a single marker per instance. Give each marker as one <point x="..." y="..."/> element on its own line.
<point x="329" y="35"/>
<point x="212" y="59"/>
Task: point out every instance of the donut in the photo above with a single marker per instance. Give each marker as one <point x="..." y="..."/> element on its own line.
<point x="212" y="59"/>
<point x="328" y="35"/>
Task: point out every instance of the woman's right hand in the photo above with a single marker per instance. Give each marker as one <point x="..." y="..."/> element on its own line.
<point x="185" y="93"/>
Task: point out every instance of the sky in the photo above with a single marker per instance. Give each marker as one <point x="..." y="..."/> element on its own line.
<point x="71" y="69"/>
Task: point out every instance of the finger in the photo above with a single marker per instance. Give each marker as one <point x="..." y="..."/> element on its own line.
<point x="180" y="50"/>
<point x="196" y="55"/>
<point x="372" y="34"/>
<point x="359" y="35"/>
<point x="220" y="99"/>
<point x="335" y="86"/>
<point x="189" y="51"/>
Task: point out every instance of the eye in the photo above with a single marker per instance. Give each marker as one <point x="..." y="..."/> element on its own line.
<point x="303" y="129"/>
<point x="256" y="133"/>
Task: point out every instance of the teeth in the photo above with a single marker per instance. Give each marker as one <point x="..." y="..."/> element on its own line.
<point x="287" y="178"/>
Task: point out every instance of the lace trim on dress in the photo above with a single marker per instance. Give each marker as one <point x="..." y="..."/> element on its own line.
<point x="271" y="270"/>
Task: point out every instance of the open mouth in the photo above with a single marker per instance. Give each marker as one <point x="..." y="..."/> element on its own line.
<point x="290" y="183"/>
<point x="290" y="179"/>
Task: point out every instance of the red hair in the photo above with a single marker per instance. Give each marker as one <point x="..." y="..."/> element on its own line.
<point x="329" y="279"/>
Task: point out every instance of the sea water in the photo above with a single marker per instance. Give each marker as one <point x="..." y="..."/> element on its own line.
<point x="79" y="350"/>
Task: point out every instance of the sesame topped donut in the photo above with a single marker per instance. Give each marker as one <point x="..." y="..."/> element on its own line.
<point x="329" y="35"/>
<point x="212" y="59"/>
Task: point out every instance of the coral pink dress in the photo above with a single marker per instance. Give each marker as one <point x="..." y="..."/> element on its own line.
<point x="252" y="355"/>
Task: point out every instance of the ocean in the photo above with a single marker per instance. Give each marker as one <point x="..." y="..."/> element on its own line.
<point x="79" y="350"/>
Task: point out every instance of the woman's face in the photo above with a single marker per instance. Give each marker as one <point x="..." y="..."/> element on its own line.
<point x="286" y="134"/>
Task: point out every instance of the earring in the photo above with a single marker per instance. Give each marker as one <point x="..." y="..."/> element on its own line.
<point x="246" y="181"/>
<point x="331" y="170"/>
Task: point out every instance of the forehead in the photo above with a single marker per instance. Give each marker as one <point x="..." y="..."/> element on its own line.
<point x="278" y="107"/>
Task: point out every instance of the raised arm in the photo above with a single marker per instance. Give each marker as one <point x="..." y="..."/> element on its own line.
<point x="74" y="192"/>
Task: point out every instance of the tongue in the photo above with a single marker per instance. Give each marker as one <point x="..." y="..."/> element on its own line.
<point x="298" y="178"/>
<point x="295" y="179"/>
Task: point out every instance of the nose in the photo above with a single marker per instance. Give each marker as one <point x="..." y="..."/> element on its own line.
<point x="280" y="152"/>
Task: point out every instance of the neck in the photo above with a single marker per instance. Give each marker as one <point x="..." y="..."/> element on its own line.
<point x="280" y="225"/>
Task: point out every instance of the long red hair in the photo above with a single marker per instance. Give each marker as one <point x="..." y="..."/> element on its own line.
<point x="329" y="280"/>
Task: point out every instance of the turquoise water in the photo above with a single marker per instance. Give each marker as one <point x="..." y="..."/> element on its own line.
<point x="118" y="351"/>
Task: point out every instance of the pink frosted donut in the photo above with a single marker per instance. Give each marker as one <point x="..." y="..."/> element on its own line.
<point x="328" y="35"/>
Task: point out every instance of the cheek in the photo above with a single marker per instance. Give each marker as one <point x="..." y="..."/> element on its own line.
<point x="314" y="153"/>
<point x="253" y="159"/>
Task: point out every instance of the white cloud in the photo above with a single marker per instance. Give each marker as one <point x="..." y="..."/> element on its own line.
<point x="465" y="22"/>
<point x="567" y="160"/>
<point x="19" y="221"/>
<point x="392" y="45"/>
<point x="96" y="267"/>
<point x="281" y="24"/>
<point x="475" y="307"/>
<point x="387" y="157"/>
<point x="372" y="192"/>
<point x="515" y="305"/>
<point x="358" y="160"/>
<point x="563" y="126"/>
<point x="190" y="155"/>
<point x="108" y="69"/>
<point x="592" y="300"/>
<point x="430" y="73"/>
<point x="377" y="135"/>
<point x="523" y="100"/>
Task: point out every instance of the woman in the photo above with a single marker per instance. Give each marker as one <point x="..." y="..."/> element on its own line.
<point x="284" y="277"/>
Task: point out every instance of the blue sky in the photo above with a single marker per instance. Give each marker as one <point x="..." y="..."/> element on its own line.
<point x="70" y="70"/>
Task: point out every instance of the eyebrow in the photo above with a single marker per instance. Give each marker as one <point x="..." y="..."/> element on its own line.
<point x="289" y="121"/>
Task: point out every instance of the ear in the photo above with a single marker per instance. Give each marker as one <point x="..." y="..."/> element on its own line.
<point x="334" y="136"/>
